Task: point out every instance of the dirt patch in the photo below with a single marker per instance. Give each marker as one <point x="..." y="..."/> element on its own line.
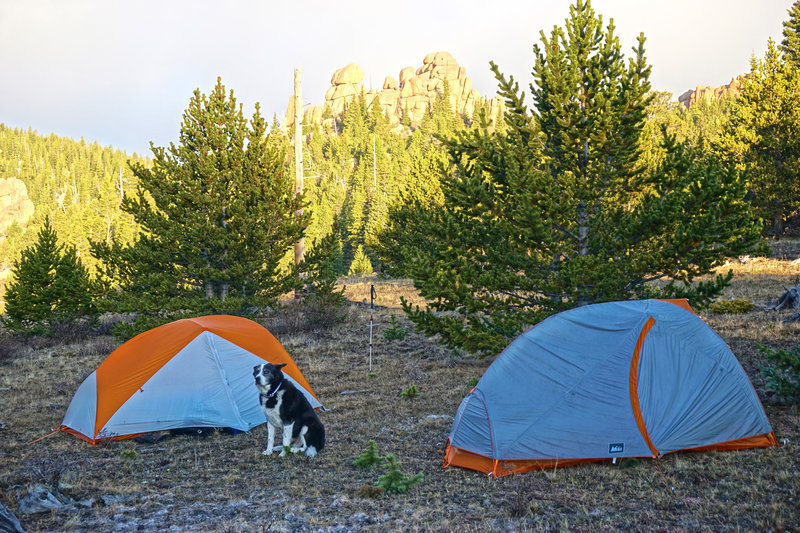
<point x="222" y="482"/>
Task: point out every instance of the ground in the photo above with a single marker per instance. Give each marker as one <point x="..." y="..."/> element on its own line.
<point x="222" y="483"/>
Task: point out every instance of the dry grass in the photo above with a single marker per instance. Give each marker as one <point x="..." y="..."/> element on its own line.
<point x="223" y="483"/>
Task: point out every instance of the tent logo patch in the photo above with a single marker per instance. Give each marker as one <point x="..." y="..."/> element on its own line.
<point x="616" y="447"/>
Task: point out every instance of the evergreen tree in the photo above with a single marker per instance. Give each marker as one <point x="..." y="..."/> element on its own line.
<point x="321" y="264"/>
<point x="73" y="288"/>
<point x="361" y="265"/>
<point x="790" y="46"/>
<point x="557" y="210"/>
<point x="217" y="213"/>
<point x="763" y="135"/>
<point x="29" y="295"/>
<point x="47" y="284"/>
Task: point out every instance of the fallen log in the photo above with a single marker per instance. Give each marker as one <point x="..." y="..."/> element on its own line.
<point x="789" y="298"/>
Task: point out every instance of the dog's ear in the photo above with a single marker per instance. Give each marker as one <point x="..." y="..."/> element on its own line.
<point x="280" y="366"/>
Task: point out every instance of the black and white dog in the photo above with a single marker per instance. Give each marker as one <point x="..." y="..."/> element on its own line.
<point x="287" y="409"/>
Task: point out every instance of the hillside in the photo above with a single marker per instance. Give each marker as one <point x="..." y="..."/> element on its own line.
<point x="77" y="184"/>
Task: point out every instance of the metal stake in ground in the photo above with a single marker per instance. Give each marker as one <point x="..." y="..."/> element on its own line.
<point x="372" y="295"/>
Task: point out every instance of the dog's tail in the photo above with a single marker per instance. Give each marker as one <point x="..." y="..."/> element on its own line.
<point x="315" y="439"/>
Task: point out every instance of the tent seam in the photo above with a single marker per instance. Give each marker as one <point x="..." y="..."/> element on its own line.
<point x="213" y="345"/>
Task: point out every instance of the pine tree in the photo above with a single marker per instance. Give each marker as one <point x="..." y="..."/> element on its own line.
<point x="762" y="135"/>
<point x="361" y="265"/>
<point x="321" y="264"/>
<point x="217" y="213"/>
<point x="790" y="46"/>
<point x="556" y="210"/>
<point x="29" y="295"/>
<point x="47" y="284"/>
<point x="73" y="288"/>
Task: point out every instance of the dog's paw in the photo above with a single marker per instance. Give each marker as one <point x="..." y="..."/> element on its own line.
<point x="295" y="449"/>
<point x="282" y="454"/>
<point x="268" y="451"/>
<point x="311" y="451"/>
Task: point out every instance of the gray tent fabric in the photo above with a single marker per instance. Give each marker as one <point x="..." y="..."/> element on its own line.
<point x="571" y="388"/>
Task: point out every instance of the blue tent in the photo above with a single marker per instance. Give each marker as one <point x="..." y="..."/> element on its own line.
<point x="619" y="379"/>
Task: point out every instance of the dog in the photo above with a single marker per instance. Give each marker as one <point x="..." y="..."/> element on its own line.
<point x="287" y="409"/>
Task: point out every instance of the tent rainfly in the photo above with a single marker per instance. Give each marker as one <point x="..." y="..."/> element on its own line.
<point x="604" y="381"/>
<point x="195" y="372"/>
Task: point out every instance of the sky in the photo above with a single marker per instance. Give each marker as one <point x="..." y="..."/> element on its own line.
<point x="122" y="73"/>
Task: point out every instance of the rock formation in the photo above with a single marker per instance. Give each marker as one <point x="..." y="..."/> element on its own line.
<point x="409" y="96"/>
<point x="702" y="93"/>
<point x="15" y="206"/>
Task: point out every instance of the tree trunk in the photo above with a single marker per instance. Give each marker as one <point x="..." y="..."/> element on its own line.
<point x="299" y="247"/>
<point x="583" y="247"/>
<point x="209" y="286"/>
<point x="223" y="291"/>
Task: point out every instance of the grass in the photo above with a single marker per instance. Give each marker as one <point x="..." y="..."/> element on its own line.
<point x="223" y="483"/>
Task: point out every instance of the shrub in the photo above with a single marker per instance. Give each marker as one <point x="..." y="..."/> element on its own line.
<point x="369" y="456"/>
<point x="731" y="307"/>
<point x="395" y="331"/>
<point x="310" y="314"/>
<point x="370" y="491"/>
<point x="410" y="393"/>
<point x="782" y="372"/>
<point x="394" y="481"/>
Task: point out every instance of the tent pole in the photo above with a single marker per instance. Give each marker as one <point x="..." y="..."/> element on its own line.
<point x="371" y="304"/>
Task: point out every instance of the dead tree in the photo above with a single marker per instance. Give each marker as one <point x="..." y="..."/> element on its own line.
<point x="790" y="298"/>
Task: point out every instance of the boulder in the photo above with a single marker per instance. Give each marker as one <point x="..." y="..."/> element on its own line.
<point x="313" y="114"/>
<point x="345" y="90"/>
<point x="414" y="93"/>
<point x="446" y="72"/>
<point x="351" y="74"/>
<point x="15" y="205"/>
<point x="418" y="85"/>
<point x="390" y="83"/>
<point x="405" y="75"/>
<point x="389" y="96"/>
<point x="440" y="58"/>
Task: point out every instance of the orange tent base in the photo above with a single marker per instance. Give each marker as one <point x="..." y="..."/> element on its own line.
<point x="97" y="441"/>
<point x="454" y="456"/>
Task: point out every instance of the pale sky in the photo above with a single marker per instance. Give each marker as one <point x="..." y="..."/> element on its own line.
<point x="121" y="73"/>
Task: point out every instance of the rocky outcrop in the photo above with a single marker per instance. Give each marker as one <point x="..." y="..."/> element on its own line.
<point x="15" y="206"/>
<point x="702" y="93"/>
<point x="411" y="95"/>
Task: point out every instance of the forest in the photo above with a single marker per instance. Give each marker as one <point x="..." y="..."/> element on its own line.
<point x="603" y="187"/>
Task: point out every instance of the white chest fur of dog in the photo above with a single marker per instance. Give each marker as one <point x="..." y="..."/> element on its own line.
<point x="273" y="414"/>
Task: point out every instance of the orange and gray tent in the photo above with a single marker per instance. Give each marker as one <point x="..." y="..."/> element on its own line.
<point x="195" y="372"/>
<point x="603" y="381"/>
